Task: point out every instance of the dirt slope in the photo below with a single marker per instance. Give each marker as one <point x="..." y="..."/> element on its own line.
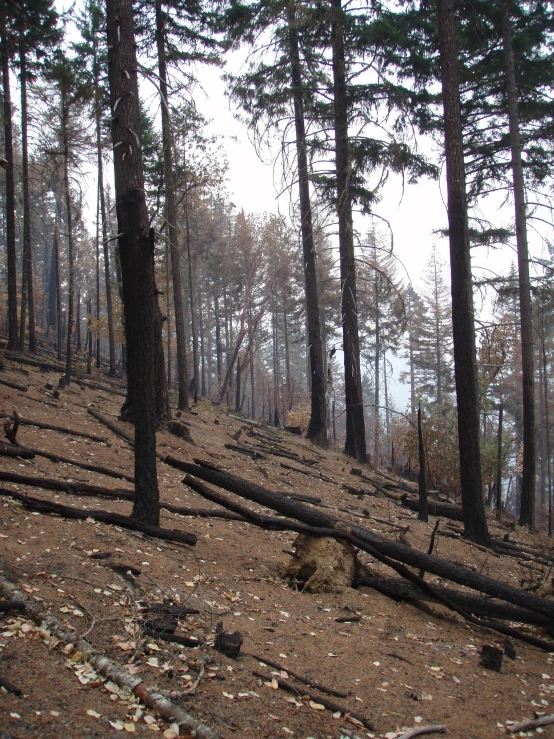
<point x="400" y="665"/>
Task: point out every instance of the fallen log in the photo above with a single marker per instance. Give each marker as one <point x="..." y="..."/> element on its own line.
<point x="395" y="550"/>
<point x="14" y="385"/>
<point x="112" y="426"/>
<point x="246" y="450"/>
<point x="399" y="589"/>
<point x="71" y="488"/>
<point x="12" y="450"/>
<point x="28" y="453"/>
<point x="340" y="533"/>
<point x="115" y="519"/>
<point x="444" y="510"/>
<point x="53" y="427"/>
<point x="82" y="488"/>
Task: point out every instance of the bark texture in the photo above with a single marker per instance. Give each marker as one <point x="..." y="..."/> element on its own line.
<point x="171" y="211"/>
<point x="463" y="326"/>
<point x="136" y="252"/>
<point x="355" y="444"/>
<point x="317" y="427"/>
<point x="10" y="187"/>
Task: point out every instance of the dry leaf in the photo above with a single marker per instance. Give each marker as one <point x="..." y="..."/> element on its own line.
<point x="316" y="706"/>
<point x="118" y="725"/>
<point x="274" y="684"/>
<point x="129" y="727"/>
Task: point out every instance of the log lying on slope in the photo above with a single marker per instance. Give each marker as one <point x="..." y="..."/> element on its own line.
<point x="342" y="532"/>
<point x="54" y="427"/>
<point x="10" y="450"/>
<point x="444" y="510"/>
<point x="116" y="519"/>
<point x="401" y="590"/>
<point x="71" y="488"/>
<point x="395" y="550"/>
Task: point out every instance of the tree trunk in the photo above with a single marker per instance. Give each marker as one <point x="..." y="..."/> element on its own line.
<point x="168" y="316"/>
<point x="59" y="316"/>
<point x="191" y="297"/>
<point x="97" y="255"/>
<point x="89" y="336"/>
<point x="237" y="389"/>
<point x="171" y="210"/>
<point x="376" y="371"/>
<point x="70" y="244"/>
<point x="411" y="349"/>
<point x="423" y="505"/>
<point x="527" y="510"/>
<point x="52" y="321"/>
<point x="438" y="350"/>
<point x="202" y="347"/>
<point x="136" y="248"/>
<point x="218" y="348"/>
<point x="463" y="327"/>
<point x="27" y="247"/>
<point x="13" y="341"/>
<point x="499" y="464"/>
<point x="355" y="444"/>
<point x="103" y="214"/>
<point x="317" y="426"/>
<point x="77" y="341"/>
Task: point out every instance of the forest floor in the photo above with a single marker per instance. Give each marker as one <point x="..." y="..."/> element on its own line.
<point x="401" y="665"/>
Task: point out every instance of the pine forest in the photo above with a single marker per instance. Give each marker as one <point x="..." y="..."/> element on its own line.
<point x="391" y="310"/>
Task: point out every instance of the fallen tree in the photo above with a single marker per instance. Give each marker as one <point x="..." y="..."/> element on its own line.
<point x="399" y="589"/>
<point x="115" y="519"/>
<point x="341" y="530"/>
<point x="54" y="427"/>
<point x="382" y="546"/>
<point x="11" y="450"/>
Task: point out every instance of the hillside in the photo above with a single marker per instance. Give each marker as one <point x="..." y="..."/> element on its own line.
<point x="396" y="663"/>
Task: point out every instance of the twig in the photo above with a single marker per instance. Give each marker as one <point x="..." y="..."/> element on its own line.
<point x="192" y="689"/>
<point x="418" y="730"/>
<point x="531" y="724"/>
<point x="285" y="685"/>
<point x="296" y="676"/>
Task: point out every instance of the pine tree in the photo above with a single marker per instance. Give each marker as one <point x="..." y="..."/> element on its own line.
<point x="136" y="247"/>
<point x="465" y="370"/>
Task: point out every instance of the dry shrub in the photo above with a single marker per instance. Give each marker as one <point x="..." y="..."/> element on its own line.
<point x="299" y="417"/>
<point x="440" y="437"/>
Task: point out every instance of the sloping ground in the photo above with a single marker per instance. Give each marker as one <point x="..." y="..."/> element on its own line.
<point x="402" y="664"/>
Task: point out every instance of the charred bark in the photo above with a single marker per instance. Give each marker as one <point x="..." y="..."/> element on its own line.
<point x="463" y="326"/>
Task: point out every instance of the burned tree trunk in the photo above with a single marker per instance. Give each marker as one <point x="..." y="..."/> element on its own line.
<point x="136" y="251"/>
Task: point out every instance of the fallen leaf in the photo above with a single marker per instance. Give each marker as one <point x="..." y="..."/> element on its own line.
<point x="129" y="727"/>
<point x="316" y="706"/>
<point x="118" y="725"/>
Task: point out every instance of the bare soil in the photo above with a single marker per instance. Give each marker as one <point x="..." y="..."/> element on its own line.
<point x="401" y="665"/>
